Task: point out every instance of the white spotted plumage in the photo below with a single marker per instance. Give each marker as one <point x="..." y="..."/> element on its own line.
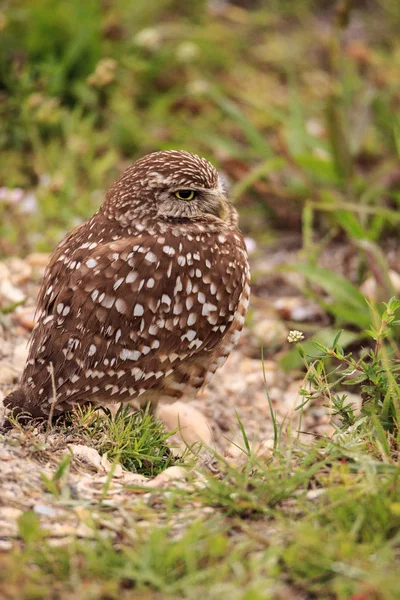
<point x="154" y="297"/>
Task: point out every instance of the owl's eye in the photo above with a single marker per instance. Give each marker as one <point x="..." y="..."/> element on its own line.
<point x="185" y="194"/>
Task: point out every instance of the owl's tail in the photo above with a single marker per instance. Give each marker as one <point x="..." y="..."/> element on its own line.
<point x="20" y="401"/>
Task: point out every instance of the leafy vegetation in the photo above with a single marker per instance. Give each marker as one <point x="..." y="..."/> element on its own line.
<point x="296" y="108"/>
<point x="320" y="519"/>
<point x="374" y="370"/>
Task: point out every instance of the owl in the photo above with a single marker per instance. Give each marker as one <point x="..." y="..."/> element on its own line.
<point x="143" y="302"/>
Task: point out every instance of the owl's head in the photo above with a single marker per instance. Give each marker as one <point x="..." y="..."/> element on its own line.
<point x="172" y="184"/>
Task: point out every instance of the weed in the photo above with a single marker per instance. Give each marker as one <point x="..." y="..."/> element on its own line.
<point x="375" y="371"/>
<point x="54" y="484"/>
<point x="137" y="440"/>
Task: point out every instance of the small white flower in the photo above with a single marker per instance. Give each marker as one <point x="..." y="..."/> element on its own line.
<point x="45" y="180"/>
<point x="149" y="38"/>
<point x="197" y="87"/>
<point x="4" y="192"/>
<point x="187" y="52"/>
<point x="315" y="128"/>
<point x="29" y="203"/>
<point x="16" y="195"/>
<point x="295" y="336"/>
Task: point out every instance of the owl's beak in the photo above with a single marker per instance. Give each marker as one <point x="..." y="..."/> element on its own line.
<point x="218" y="205"/>
<point x="223" y="211"/>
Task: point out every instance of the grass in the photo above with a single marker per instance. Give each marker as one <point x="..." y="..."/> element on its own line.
<point x="320" y="519"/>
<point x="137" y="441"/>
<point x="302" y="126"/>
<point x="323" y="520"/>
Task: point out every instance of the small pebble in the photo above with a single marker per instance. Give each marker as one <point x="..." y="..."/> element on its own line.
<point x="42" y="509"/>
<point x="38" y="259"/>
<point x="164" y="478"/>
<point x="8" y="373"/>
<point x="192" y="425"/>
<point x="25" y="316"/>
<point x="271" y="333"/>
<point x="373" y="291"/>
<point x="298" y="309"/>
<point x="20" y="271"/>
<point x="9" y="293"/>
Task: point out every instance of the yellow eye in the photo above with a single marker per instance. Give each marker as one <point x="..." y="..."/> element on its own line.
<point x="185" y="194"/>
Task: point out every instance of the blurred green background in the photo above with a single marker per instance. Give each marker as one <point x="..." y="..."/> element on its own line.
<point x="297" y="102"/>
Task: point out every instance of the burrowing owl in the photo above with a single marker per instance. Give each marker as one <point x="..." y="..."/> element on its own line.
<point x="144" y="301"/>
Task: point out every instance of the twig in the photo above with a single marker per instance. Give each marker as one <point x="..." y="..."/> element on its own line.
<point x="53" y="403"/>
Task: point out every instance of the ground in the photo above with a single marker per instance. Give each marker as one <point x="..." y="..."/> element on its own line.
<point x="245" y="514"/>
<point x="238" y="391"/>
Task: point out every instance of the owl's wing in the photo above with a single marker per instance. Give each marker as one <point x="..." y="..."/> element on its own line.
<point x="136" y="306"/>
